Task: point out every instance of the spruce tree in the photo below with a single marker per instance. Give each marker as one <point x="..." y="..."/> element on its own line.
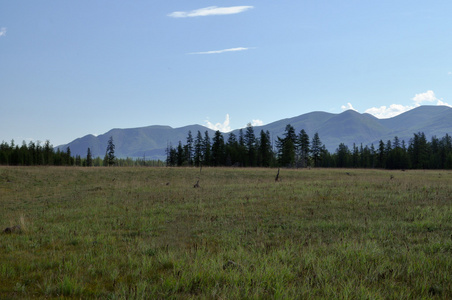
<point x="303" y="148"/>
<point x="286" y="147"/>
<point x="206" y="147"/>
<point x="110" y="154"/>
<point x="264" y="149"/>
<point x="198" y="154"/>
<point x="250" y="143"/>
<point x="218" y="149"/>
<point x="180" y="157"/>
<point x="89" y="158"/>
<point x="231" y="150"/>
<point x="316" y="150"/>
<point x="189" y="149"/>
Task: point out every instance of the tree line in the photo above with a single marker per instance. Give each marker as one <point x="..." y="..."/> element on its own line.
<point x="37" y="154"/>
<point x="293" y="150"/>
<point x="298" y="150"/>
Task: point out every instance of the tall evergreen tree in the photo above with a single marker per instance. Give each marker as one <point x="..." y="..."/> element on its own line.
<point x="373" y="156"/>
<point x="316" y="150"/>
<point x="397" y="158"/>
<point x="342" y="156"/>
<point x="68" y="159"/>
<point x="265" y="153"/>
<point x="218" y="149"/>
<point x="396" y="142"/>
<point x="250" y="144"/>
<point x="303" y="149"/>
<point x="206" y="147"/>
<point x="241" y="153"/>
<point x="89" y="158"/>
<point x="381" y="163"/>
<point x="48" y="153"/>
<point x="355" y="156"/>
<point x="189" y="149"/>
<point x="172" y="157"/>
<point x="286" y="147"/>
<point x="231" y="149"/>
<point x="419" y="151"/>
<point x="110" y="154"/>
<point x="198" y="149"/>
<point x="180" y="155"/>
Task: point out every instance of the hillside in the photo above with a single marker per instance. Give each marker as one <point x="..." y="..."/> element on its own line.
<point x="347" y="127"/>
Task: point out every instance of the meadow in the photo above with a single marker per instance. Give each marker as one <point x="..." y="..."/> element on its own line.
<point x="147" y="233"/>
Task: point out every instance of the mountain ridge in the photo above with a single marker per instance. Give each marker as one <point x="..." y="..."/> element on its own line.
<point x="348" y="127"/>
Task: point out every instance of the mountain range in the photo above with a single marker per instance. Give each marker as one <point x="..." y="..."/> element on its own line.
<point x="348" y="127"/>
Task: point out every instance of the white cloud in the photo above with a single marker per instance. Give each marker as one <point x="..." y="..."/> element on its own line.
<point x="440" y="102"/>
<point x="222" y="51"/>
<point x="210" y="11"/>
<point x="257" y="122"/>
<point x="2" y="31"/>
<point x="223" y="127"/>
<point x="449" y="73"/>
<point x="428" y="96"/>
<point x="384" y="112"/>
<point x="347" y="107"/>
<point x="393" y="110"/>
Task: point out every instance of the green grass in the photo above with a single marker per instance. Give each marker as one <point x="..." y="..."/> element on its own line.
<point x="147" y="233"/>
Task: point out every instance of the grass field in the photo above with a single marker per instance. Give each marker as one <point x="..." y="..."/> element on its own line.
<point x="148" y="233"/>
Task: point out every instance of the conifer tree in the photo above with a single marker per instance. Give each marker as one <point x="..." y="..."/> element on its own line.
<point x="218" y="149"/>
<point x="342" y="156"/>
<point x="68" y="159"/>
<point x="198" y="149"/>
<point x="286" y="147"/>
<point x="303" y="148"/>
<point x="189" y="149"/>
<point x="241" y="149"/>
<point x="316" y="150"/>
<point x="231" y="150"/>
<point x="206" y="147"/>
<point x="264" y="150"/>
<point x="110" y="154"/>
<point x="89" y="158"/>
<point x="250" y="144"/>
<point x="180" y="156"/>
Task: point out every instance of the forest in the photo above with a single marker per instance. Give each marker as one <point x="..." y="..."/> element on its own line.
<point x="292" y="150"/>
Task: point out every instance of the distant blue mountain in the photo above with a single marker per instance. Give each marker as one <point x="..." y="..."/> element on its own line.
<point x="348" y="127"/>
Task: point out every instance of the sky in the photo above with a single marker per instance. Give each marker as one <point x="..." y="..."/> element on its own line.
<point x="72" y="68"/>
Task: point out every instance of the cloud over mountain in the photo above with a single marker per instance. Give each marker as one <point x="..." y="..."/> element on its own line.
<point x="393" y="110"/>
<point x="223" y="127"/>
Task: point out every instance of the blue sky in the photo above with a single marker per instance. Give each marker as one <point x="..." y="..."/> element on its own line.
<point x="71" y="68"/>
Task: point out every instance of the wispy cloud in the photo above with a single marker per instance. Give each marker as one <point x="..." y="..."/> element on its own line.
<point x="384" y="112"/>
<point x="222" y="51"/>
<point x="2" y="31"/>
<point x="210" y="11"/>
<point x="223" y="127"/>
